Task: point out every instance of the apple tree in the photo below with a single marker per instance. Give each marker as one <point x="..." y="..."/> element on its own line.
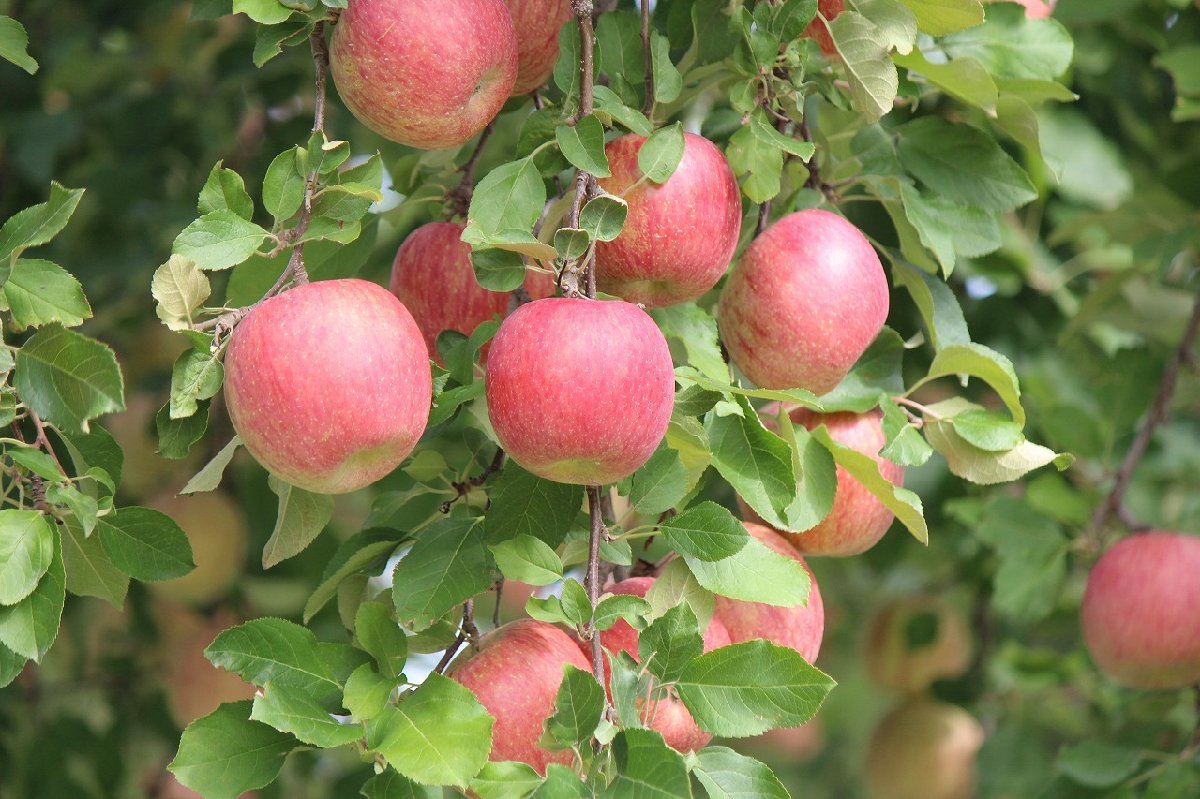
<point x="549" y="398"/>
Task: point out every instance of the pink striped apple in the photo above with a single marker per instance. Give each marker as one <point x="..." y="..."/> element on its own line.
<point x="807" y="297"/>
<point x="680" y="236"/>
<point x="800" y="627"/>
<point x="328" y="384"/>
<point x="515" y="674"/>
<point x="1141" y="610"/>
<point x="580" y="391"/>
<point x="537" y="23"/>
<point x="425" y="73"/>
<point x="433" y="277"/>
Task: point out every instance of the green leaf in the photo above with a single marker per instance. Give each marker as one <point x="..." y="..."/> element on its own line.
<point x="754" y="574"/>
<point x="219" y="240"/>
<point x="367" y="693"/>
<point x="11" y="666"/>
<point x="176" y="437"/>
<point x="660" y="154"/>
<point x="14" y="43"/>
<point x="510" y="197"/>
<point x="269" y="40"/>
<point x="1011" y="46"/>
<point x="528" y="560"/>
<point x="896" y="22"/>
<point x="939" y="307"/>
<point x="696" y="329"/>
<point x="1066" y="137"/>
<point x="68" y="378"/>
<point x="758" y="160"/>
<point x="37" y="224"/>
<point x="872" y="75"/>
<point x="877" y="371"/>
<point x="225" y="753"/>
<point x="1033" y="558"/>
<point x="89" y="570"/>
<point x="197" y="375"/>
<point x="26" y="552"/>
<point x="647" y="768"/>
<point x="660" y="484"/>
<point x="748" y="688"/>
<point x="381" y="637"/>
<point x="603" y="217"/>
<point x="976" y="360"/>
<point x="571" y="243"/>
<point x="676" y="585"/>
<point x="988" y="430"/>
<point x="670" y="643"/>
<point x="763" y="130"/>
<point x="988" y="468"/>
<point x="1097" y="764"/>
<point x="964" y="165"/>
<point x="225" y="191"/>
<point x="562" y="783"/>
<point x="208" y="478"/>
<point x="283" y="186"/>
<point x="290" y="711"/>
<point x="619" y="52"/>
<point x="447" y="565"/>
<point x="355" y="554"/>
<point x="146" y="544"/>
<point x="275" y="651"/>
<point x="725" y="774"/>
<point x="437" y="735"/>
<point x="578" y="707"/>
<point x="583" y="145"/>
<point x="608" y="103"/>
<point x="30" y="626"/>
<point x="906" y="446"/>
<point x="505" y="779"/>
<point x="268" y="12"/>
<point x="524" y="504"/>
<point x="940" y="17"/>
<point x="40" y="292"/>
<point x="179" y="288"/>
<point x="300" y="518"/>
<point x="668" y="83"/>
<point x="498" y="270"/>
<point x="390" y="785"/>
<point x="35" y="461"/>
<point x="949" y="229"/>
<point x="964" y="78"/>
<point x="706" y="532"/>
<point x="619" y="606"/>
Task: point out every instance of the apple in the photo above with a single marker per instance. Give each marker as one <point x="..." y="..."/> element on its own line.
<point x="857" y="520"/>
<point x="799" y="627"/>
<point x="680" y="236"/>
<point x="1141" y="610"/>
<point x="433" y="277"/>
<point x="819" y="30"/>
<point x="1034" y="9"/>
<point x="537" y="23"/>
<point x="194" y="686"/>
<point x="913" y="641"/>
<point x="217" y="532"/>
<point x="807" y="297"/>
<point x="580" y="391"/>
<point x="425" y="73"/>
<point x="668" y="715"/>
<point x="791" y="744"/>
<point x="924" y="750"/>
<point x="328" y="384"/>
<point x="515" y="674"/>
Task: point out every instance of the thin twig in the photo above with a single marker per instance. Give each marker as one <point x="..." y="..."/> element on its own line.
<point x="463" y="487"/>
<point x="499" y="600"/>
<point x="460" y="195"/>
<point x="578" y="277"/>
<point x="1159" y="411"/>
<point x="647" y="60"/>
<point x="467" y="632"/>
<point x="592" y="580"/>
<point x="44" y="442"/>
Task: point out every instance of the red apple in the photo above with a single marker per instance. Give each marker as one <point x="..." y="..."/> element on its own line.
<point x="425" y="73"/>
<point x="819" y="30"/>
<point x="1141" y="610"/>
<point x="916" y="640"/>
<point x="668" y="715"/>
<point x="433" y="277"/>
<point x="680" y="236"/>
<point x="799" y="627"/>
<point x="217" y="532"/>
<point x="857" y="520"/>
<point x="515" y="674"/>
<point x="537" y="23"/>
<point x="1034" y="9"/>
<point x="924" y="750"/>
<point x="580" y="391"/>
<point x="807" y="297"/>
<point x="328" y="384"/>
<point x="194" y="686"/>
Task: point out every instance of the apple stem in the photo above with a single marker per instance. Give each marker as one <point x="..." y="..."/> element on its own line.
<point x="647" y="59"/>
<point x="1159" y="412"/>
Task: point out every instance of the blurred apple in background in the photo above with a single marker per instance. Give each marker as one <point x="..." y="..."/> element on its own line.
<point x="924" y="750"/>
<point x="217" y="532"/>
<point x="916" y="640"/>
<point x="194" y="686"/>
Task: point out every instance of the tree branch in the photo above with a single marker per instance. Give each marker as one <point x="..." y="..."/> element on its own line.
<point x="578" y="278"/>
<point x="592" y="579"/>
<point x="1159" y="411"/>
<point x="647" y="60"/>
<point x="460" y="195"/>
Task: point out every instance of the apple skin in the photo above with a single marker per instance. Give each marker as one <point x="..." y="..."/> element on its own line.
<point x="1034" y="9"/>
<point x="433" y="277"/>
<point x="580" y="391"/>
<point x="328" y="384"/>
<point x="896" y="665"/>
<point x="668" y="716"/>
<point x="800" y="627"/>
<point x="807" y="297"/>
<point x="1141" y="610"/>
<point x="194" y="686"/>
<point x="425" y="73"/>
<point x="515" y="674"/>
<point x="819" y="30"/>
<point x="680" y="236"/>
<point x="923" y="750"/>
<point x="857" y="520"/>
<point x="537" y="23"/>
<point x="217" y="532"/>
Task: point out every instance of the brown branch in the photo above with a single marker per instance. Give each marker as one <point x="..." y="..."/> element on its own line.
<point x="44" y="442"/>
<point x="578" y="278"/>
<point x="587" y="37"/>
<point x="499" y="600"/>
<point x="460" y="196"/>
<point x="647" y="60"/>
<point x="1159" y="411"/>
<point x="467" y="632"/>
<point x="463" y="487"/>
<point x="592" y="579"/>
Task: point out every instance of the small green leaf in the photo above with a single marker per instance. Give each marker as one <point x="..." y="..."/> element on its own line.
<point x="37" y="224"/>
<point x="367" y="693"/>
<point x="197" y="375"/>
<point x="225" y="753"/>
<point x="300" y="518"/>
<point x="940" y="17"/>
<point x="619" y="606"/>
<point x="706" y="532"/>
<point x="754" y="574"/>
<point x="988" y="365"/>
<point x="146" y="544"/>
<point x="35" y="461"/>
<point x="219" y="240"/>
<point x="758" y="160"/>
<point x="30" y="626"/>
<point x="988" y="430"/>
<point x="660" y="154"/>
<point x="726" y="774"/>
<point x="677" y="585"/>
<point x="509" y="197"/>
<point x="11" y="666"/>
<point x="668" y="83"/>
<point x="765" y="132"/>
<point x="179" y="288"/>
<point x="283" y="186"/>
<point x="583" y="145"/>
<point x="647" y="768"/>
<point x="381" y="637"/>
<point x="267" y="12"/>
<point x="89" y="570"/>
<point x="522" y="503"/>
<point x="276" y="651"/>
<point x="661" y="484"/>
<point x="608" y="103"/>
<point x="696" y="329"/>
<point x="755" y="461"/>
<point x="41" y="292"/>
<point x="603" y="217"/>
<point x="528" y="560"/>
<point x="505" y="779"/>
<point x="68" y="378"/>
<point x="988" y="468"/>
<point x="225" y="191"/>
<point x="1097" y="764"/>
<point x="290" y="711"/>
<point x="497" y="269"/>
<point x="864" y="50"/>
<point x="578" y="707"/>
<point x="14" y="43"/>
<point x="208" y="478"/>
<point x="571" y="243"/>
<point x="447" y="565"/>
<point x="26" y="552"/>
<point x="176" y="437"/>
<point x="906" y="446"/>
<point x="670" y="643"/>
<point x="964" y="78"/>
